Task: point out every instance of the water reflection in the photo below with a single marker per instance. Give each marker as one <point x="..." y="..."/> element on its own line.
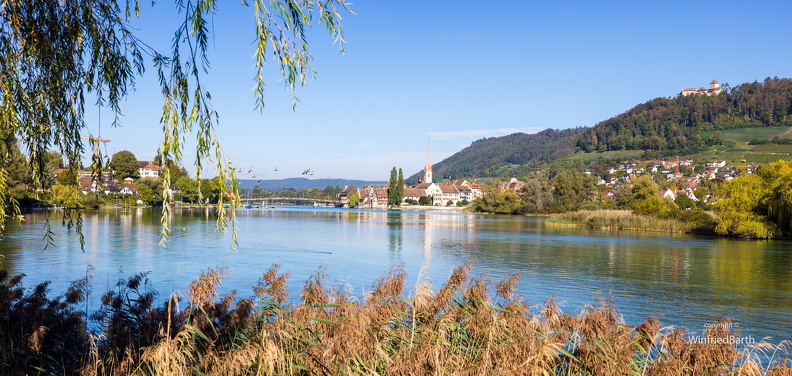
<point x="683" y="279"/>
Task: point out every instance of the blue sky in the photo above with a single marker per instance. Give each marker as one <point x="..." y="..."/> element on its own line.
<point x="454" y="72"/>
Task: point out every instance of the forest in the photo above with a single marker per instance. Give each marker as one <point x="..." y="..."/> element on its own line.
<point x="515" y="154"/>
<point x="664" y="126"/>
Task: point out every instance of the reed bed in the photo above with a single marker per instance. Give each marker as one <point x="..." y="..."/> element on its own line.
<point x="679" y="222"/>
<point x="466" y="327"/>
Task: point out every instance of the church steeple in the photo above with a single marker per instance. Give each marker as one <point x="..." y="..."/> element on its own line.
<point x="428" y="167"/>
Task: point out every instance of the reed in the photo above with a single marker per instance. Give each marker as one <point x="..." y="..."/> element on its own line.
<point x="466" y="327"/>
<point x="675" y="222"/>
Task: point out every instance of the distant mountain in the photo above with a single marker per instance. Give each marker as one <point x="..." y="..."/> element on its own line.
<point x="274" y="185"/>
<point x="507" y="155"/>
<point x="673" y="125"/>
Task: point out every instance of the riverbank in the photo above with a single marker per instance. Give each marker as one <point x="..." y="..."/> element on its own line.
<point x="680" y="222"/>
<point x="458" y="329"/>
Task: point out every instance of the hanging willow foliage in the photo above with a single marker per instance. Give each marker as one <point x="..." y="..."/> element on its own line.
<point x="55" y="53"/>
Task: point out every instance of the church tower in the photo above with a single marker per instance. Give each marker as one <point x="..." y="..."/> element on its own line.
<point x="428" y="167"/>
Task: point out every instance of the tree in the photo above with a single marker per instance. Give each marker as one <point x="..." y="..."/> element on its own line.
<point x="757" y="205"/>
<point x="151" y="185"/>
<point x="354" y="199"/>
<point x="740" y="211"/>
<point x="125" y="165"/>
<point x="400" y="187"/>
<point x="537" y="195"/>
<point x="571" y="187"/>
<point x="65" y="195"/>
<point x="684" y="202"/>
<point x="188" y="189"/>
<point x="645" y="198"/>
<point x="392" y="190"/>
<point x="62" y="52"/>
<point x="495" y="201"/>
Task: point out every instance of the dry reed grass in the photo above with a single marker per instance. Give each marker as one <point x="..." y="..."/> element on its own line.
<point x="466" y="327"/>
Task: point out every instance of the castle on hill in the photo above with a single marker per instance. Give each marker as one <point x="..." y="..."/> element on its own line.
<point x="714" y="89"/>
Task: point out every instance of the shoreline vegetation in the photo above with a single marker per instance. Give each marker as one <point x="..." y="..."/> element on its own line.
<point x="697" y="222"/>
<point x="468" y="326"/>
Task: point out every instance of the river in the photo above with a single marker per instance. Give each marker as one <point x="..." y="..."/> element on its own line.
<point x="684" y="280"/>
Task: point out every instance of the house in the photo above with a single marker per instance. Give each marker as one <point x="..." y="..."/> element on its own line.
<point x="112" y="188"/>
<point x="129" y="190"/>
<point x="418" y="195"/>
<point x="448" y="193"/>
<point x="343" y="196"/>
<point x="716" y="164"/>
<point x="475" y="188"/>
<point x="513" y="185"/>
<point x="373" y="198"/>
<point x="432" y="190"/>
<point x="148" y="169"/>
<point x="465" y="193"/>
<point x="668" y="193"/>
<point x="86" y="183"/>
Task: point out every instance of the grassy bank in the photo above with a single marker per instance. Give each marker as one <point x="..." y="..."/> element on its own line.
<point x="460" y="329"/>
<point x="678" y="222"/>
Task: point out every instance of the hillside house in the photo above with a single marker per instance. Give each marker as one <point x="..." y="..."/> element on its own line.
<point x="513" y="185"/>
<point x="148" y="169"/>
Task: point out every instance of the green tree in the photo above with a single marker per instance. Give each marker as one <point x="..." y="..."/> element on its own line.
<point x="354" y="199"/>
<point x="571" y="188"/>
<point x="645" y="198"/>
<point x="685" y="202"/>
<point x="65" y="195"/>
<point x="153" y="186"/>
<point x="65" y="51"/>
<point x="211" y="190"/>
<point x="392" y="189"/>
<point x="495" y="201"/>
<point x="125" y="165"/>
<point x="331" y="191"/>
<point x="16" y="180"/>
<point x="537" y="196"/>
<point x="188" y="189"/>
<point x="400" y="187"/>
<point x="146" y="195"/>
<point x="757" y="205"/>
<point x="740" y="212"/>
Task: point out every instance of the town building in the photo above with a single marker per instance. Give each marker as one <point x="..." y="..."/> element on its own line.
<point x="148" y="169"/>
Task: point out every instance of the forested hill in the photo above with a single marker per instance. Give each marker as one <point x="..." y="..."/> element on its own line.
<point x="664" y="125"/>
<point x="508" y="155"/>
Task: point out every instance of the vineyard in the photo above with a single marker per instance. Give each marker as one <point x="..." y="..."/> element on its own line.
<point x="748" y="134"/>
<point x="763" y="158"/>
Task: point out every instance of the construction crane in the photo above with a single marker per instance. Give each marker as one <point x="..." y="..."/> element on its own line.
<point x="95" y="141"/>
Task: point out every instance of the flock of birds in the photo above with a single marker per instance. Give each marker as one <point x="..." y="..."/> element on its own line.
<point x="253" y="174"/>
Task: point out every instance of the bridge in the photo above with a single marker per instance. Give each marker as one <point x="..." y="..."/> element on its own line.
<point x="294" y="200"/>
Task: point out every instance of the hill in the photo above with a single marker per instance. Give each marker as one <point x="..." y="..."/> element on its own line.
<point x="736" y="120"/>
<point x="664" y="126"/>
<point x="277" y="184"/>
<point x="507" y="155"/>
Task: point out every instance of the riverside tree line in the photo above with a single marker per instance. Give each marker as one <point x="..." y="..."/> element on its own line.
<point x="753" y="205"/>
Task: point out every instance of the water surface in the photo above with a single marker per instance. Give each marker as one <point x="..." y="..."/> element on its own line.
<point x="682" y="279"/>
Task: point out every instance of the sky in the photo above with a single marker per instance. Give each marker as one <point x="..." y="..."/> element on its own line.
<point x="452" y="72"/>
